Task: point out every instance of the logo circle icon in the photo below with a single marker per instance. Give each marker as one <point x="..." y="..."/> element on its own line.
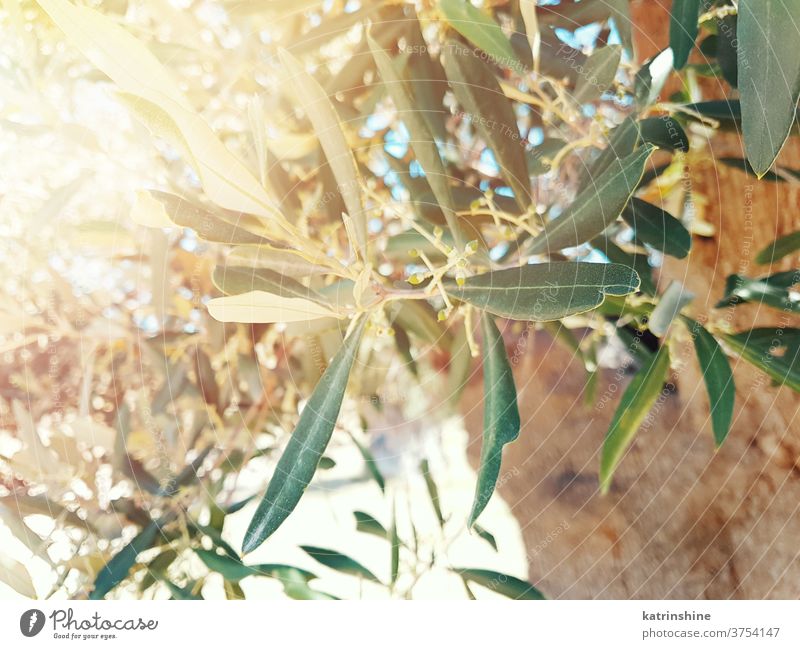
<point x="31" y="622"/>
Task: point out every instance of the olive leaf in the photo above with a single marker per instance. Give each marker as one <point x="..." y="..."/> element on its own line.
<point x="598" y="74"/>
<point x="260" y="306"/>
<point x="635" y="260"/>
<point x="280" y="260"/>
<point x="665" y="132"/>
<point x="433" y="491"/>
<point x="370" y="525"/>
<point x="322" y="115"/>
<point x="776" y="174"/>
<point x="421" y="139"/>
<point x="120" y="564"/>
<point x="621" y="142"/>
<point x="486" y="535"/>
<point x="500" y="414"/>
<point x="480" y="28"/>
<point x="727" y="45"/>
<point x="636" y="402"/>
<point x="372" y="465"/>
<point x="234" y="570"/>
<point x="774" y="351"/>
<point x="394" y="551"/>
<point x="233" y="280"/>
<point x="304" y="450"/>
<point x="511" y="587"/>
<point x="769" y="76"/>
<point x="773" y="290"/>
<point x="596" y="207"/>
<point x="658" y="228"/>
<point x="780" y="248"/>
<point x="718" y="378"/>
<point x="339" y="562"/>
<point x="479" y="92"/>
<point x="542" y="292"/>
<point x="218" y="226"/>
<point x="683" y="29"/>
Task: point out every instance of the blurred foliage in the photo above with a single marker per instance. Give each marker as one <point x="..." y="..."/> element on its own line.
<point x="218" y="217"/>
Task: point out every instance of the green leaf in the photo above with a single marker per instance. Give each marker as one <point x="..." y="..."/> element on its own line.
<point x="479" y="93"/>
<point x="394" y="557"/>
<point x="727" y="44"/>
<point x="370" y="525"/>
<point x="422" y="141"/>
<point x="280" y="260"/>
<point x="426" y="79"/>
<point x="486" y="535"/>
<point x="231" y="569"/>
<point x="511" y="587"/>
<point x="598" y="74"/>
<point x="773" y="290"/>
<point x="120" y="564"/>
<point x="181" y="592"/>
<point x="235" y="571"/>
<point x="339" y="562"/>
<point x="726" y="111"/>
<point x="433" y="490"/>
<point x="216" y="538"/>
<point x="658" y="228"/>
<point x="459" y="366"/>
<point x="665" y="132"/>
<point x="596" y="207"/>
<point x="322" y="115"/>
<point x="718" y="378"/>
<point x="208" y="225"/>
<point x="500" y="415"/>
<point x="776" y="351"/>
<point x="683" y="29"/>
<point x="480" y="29"/>
<point x="235" y="280"/>
<point x="769" y="76"/>
<point x="620" y="12"/>
<point x="779" y="248"/>
<point x="298" y="589"/>
<point x="304" y="450"/>
<point x="779" y="175"/>
<point x="669" y="306"/>
<point x="622" y="141"/>
<point x="631" y="338"/>
<point x="233" y="591"/>
<point x="157" y="568"/>
<point x="636" y="402"/>
<point x="637" y="261"/>
<point x="542" y="292"/>
<point x="372" y="465"/>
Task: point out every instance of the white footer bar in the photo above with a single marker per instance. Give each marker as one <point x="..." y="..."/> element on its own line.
<point x="122" y="624"/>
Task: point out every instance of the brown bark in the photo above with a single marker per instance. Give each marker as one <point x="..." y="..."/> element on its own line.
<point x="682" y="521"/>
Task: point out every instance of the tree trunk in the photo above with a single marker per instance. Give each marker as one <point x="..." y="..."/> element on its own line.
<point x="681" y="521"/>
